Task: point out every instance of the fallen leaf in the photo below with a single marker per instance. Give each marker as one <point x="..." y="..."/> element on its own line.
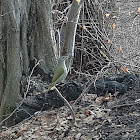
<point x="78" y="1"/>
<point x="77" y="136"/>
<point x="120" y="49"/>
<point x="107" y="15"/>
<point x="34" y="93"/>
<point x="99" y="113"/>
<point x="88" y="112"/>
<point x="89" y="119"/>
<point x="109" y="41"/>
<point x="126" y="135"/>
<point x="139" y="9"/>
<point x="122" y="68"/>
<point x="19" y="134"/>
<point x="25" y="128"/>
<point x="99" y="99"/>
<point x="114" y="26"/>
<point x="125" y="69"/>
<point x="116" y="94"/>
<point x="107" y="99"/>
<point x="35" y="136"/>
<point x="84" y="27"/>
<point x="114" y="17"/>
<point x="80" y="79"/>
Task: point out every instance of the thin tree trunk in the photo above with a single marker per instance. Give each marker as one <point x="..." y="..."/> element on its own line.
<point x="68" y="31"/>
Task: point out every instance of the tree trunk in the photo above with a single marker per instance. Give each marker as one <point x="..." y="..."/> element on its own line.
<point x="68" y="31"/>
<point x="10" y="68"/>
<point x="44" y="41"/>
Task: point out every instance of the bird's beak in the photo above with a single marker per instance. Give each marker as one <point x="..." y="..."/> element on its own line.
<point x="66" y="57"/>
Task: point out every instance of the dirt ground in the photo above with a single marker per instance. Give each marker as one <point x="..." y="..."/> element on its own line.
<point x="110" y="117"/>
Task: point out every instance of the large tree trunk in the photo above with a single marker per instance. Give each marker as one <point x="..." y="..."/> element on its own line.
<point x="43" y="37"/>
<point x="10" y="68"/>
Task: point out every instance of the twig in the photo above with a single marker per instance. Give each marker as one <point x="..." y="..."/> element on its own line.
<point x="59" y="40"/>
<point x="29" y="80"/>
<point x="76" y="101"/>
<point x="130" y="104"/>
<point x="71" y="109"/>
<point x="93" y="82"/>
<point x="24" y="95"/>
<point x="6" y="13"/>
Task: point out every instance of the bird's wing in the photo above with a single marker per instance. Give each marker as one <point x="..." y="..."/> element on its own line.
<point x="59" y="71"/>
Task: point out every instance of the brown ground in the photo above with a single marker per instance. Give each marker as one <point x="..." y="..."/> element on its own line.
<point x="111" y="118"/>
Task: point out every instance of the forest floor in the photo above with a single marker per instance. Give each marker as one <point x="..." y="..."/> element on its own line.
<point x="114" y="117"/>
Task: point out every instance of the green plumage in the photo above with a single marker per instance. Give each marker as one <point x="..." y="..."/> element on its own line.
<point x="60" y="73"/>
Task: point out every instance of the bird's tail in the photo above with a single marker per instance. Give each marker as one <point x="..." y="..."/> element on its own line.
<point x="51" y="86"/>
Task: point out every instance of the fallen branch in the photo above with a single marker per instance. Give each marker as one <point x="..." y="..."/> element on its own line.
<point x="71" y="109"/>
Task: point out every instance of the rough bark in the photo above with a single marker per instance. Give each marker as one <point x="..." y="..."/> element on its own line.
<point x="1" y="57"/>
<point x="44" y="41"/>
<point x="11" y="67"/>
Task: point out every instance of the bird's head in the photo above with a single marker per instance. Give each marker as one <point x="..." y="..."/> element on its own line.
<point x="62" y="59"/>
